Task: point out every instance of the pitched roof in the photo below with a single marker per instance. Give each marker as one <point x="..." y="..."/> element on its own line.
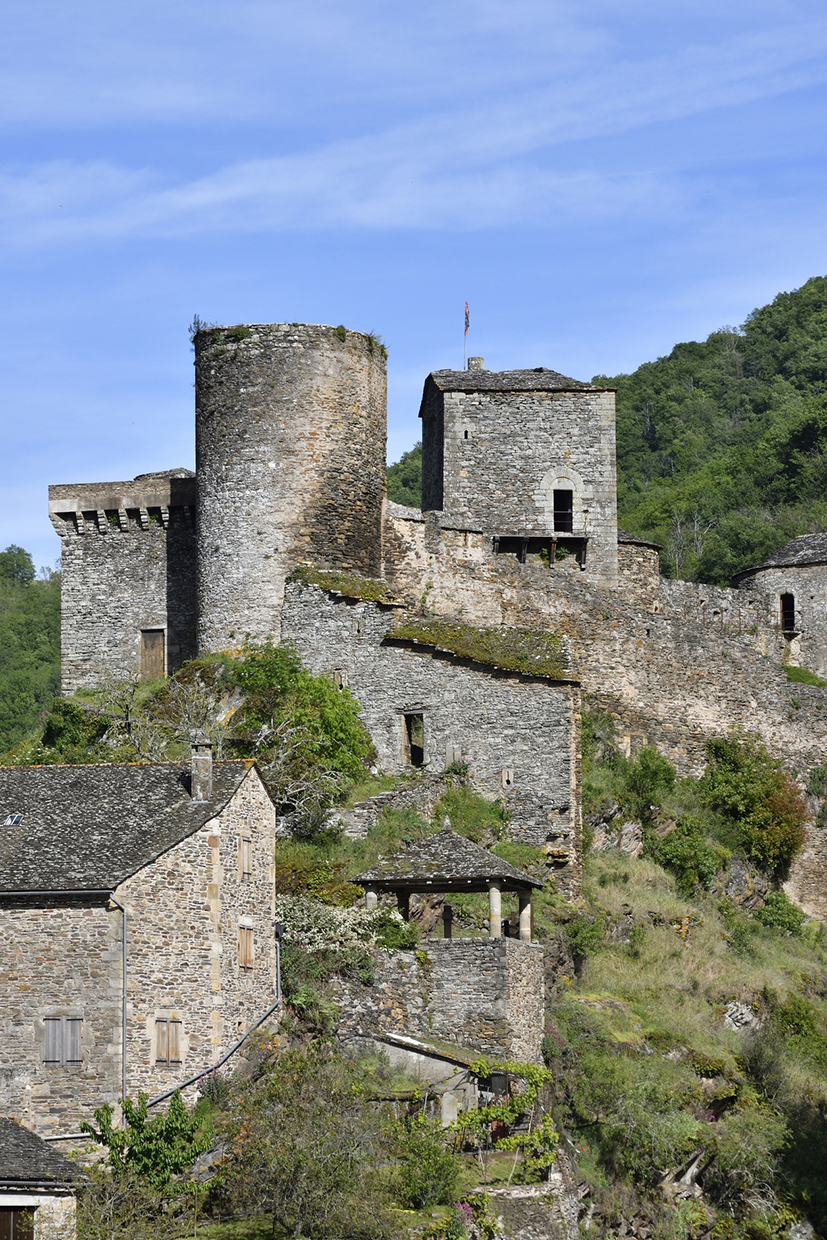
<point x="623" y="536"/>
<point x="28" y="1161"/>
<point x="541" y="379"/>
<point x="807" y="549"/>
<point x="90" y="827"/>
<point x="445" y="862"/>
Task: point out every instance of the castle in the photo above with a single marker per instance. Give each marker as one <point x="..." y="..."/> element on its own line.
<point x="465" y="629"/>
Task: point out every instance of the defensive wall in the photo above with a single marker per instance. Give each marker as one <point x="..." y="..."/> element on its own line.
<point x="674" y="662"/>
<point x="484" y="995"/>
<point x="128" y="576"/>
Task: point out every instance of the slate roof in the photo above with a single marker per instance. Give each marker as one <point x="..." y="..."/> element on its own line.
<point x="807" y="549"/>
<point x="623" y="536"/>
<point x="88" y="828"/>
<point x="445" y="862"/>
<point x="28" y="1162"/>
<point x="541" y="379"/>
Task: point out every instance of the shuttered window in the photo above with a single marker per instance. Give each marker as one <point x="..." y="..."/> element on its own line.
<point x="63" y="1041"/>
<point x="245" y="859"/>
<point x="245" y="947"/>
<point x="167" y="1042"/>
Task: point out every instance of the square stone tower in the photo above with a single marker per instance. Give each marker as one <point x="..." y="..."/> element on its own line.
<point x="527" y="456"/>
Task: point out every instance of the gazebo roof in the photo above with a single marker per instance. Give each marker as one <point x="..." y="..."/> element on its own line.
<point x="445" y="862"/>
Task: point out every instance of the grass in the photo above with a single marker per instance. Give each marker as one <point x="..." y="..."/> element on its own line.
<point x="341" y="581"/>
<point x="237" y="1229"/>
<point x="803" y="676"/>
<point x="513" y="650"/>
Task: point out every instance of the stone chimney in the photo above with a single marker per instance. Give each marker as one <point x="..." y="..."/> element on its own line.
<point x="201" y="767"/>
<point x="476" y="363"/>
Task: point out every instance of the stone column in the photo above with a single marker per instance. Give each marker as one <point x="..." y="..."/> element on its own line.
<point x="495" y="911"/>
<point x="525" y="919"/>
<point x="371" y="897"/>
<point x="403" y="900"/>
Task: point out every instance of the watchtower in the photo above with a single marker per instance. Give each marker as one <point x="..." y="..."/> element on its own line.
<point x="290" y="457"/>
<point x="526" y="456"/>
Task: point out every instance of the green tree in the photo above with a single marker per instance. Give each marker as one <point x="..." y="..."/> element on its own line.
<point x="16" y="565"/>
<point x="405" y="478"/>
<point x="154" y="1150"/>
<point x="29" y="645"/>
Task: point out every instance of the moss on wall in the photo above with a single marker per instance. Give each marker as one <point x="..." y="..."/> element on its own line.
<point x="515" y="650"/>
<point x="341" y="581"/>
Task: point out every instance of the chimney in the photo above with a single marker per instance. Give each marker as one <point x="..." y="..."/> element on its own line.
<point x="476" y="363"/>
<point x="201" y="767"/>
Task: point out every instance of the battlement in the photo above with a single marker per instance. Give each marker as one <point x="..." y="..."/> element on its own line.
<point x="112" y="507"/>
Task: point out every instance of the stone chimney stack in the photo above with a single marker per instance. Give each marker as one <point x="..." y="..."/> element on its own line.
<point x="201" y="767"/>
<point x="476" y="363"/>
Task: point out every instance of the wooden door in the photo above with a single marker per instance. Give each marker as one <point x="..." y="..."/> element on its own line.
<point x="152" y="654"/>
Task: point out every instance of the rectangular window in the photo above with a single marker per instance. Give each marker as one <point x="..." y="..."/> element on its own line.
<point x="564" y="511"/>
<point x="167" y="1042"/>
<point x="152" y="654"/>
<point x="788" y="612"/>
<point x="16" y="1224"/>
<point x="245" y="947"/>
<point x="63" y="1041"/>
<point x="414" y="740"/>
<point x="245" y="859"/>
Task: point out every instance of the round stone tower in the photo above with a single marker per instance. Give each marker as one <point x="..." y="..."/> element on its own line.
<point x="290" y="424"/>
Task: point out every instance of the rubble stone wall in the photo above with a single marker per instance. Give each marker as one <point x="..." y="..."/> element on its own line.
<point x="808" y="585"/>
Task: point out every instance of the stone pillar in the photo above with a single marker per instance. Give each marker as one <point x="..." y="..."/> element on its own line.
<point x="371" y="897"/>
<point x="495" y="911"/>
<point x="525" y="919"/>
<point x="403" y="900"/>
<point x="448" y="920"/>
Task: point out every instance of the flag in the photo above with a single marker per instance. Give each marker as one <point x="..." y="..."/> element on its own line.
<point x="467" y="320"/>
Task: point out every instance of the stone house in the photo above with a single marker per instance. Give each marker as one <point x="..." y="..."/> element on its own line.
<point x="136" y="929"/>
<point x="37" y="1187"/>
<point x="796" y="577"/>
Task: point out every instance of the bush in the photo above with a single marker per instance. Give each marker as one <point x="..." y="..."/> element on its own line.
<point x="586" y="934"/>
<point x="753" y="792"/>
<point x="428" y="1171"/>
<point x="645" y="781"/>
<point x="749" y="1143"/>
<point x="779" y="913"/>
<point x="690" y="855"/>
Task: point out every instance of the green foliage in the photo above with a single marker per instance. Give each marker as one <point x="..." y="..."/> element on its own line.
<point x="586" y="934"/>
<point x="117" y="1207"/>
<point x="29" y="646"/>
<point x="645" y="780"/>
<point x="393" y="934"/>
<point x="779" y="913"/>
<point x="817" y="783"/>
<point x="471" y="815"/>
<point x="405" y="478"/>
<point x="427" y="1170"/>
<point x="340" y="333"/>
<point x="239" y="333"/>
<point x="753" y="792"/>
<point x="534" y="1143"/>
<point x="302" y="870"/>
<point x="749" y="1143"/>
<point x="515" y="650"/>
<point x="343" y="581"/>
<point x="689" y="854"/>
<point x="802" y="676"/>
<point x="303" y="1144"/>
<point x="154" y="1150"/>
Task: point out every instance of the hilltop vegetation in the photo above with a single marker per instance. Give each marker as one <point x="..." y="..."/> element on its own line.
<point x="29" y="644"/>
<point x="722" y="444"/>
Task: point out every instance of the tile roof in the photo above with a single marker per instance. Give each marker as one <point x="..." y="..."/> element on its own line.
<point x="807" y="549"/>
<point x="445" y="862"/>
<point x="26" y="1161"/>
<point x="541" y="379"/>
<point x="90" y="827"/>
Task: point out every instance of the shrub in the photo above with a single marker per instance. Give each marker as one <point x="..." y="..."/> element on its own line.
<point x="586" y="934"/>
<point x="753" y="792"/>
<point x="428" y="1171"/>
<point x="749" y="1142"/>
<point x="690" y="855"/>
<point x="817" y="783"/>
<point x="779" y="913"/>
<point x="645" y="781"/>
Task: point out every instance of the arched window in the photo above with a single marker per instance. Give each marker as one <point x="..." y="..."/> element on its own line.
<point x="787" y="612"/>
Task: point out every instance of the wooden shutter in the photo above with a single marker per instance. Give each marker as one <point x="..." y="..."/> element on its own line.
<point x="245" y="947"/>
<point x="161" y="1042"/>
<point x="174" y="1042"/>
<point x="71" y="1041"/>
<point x="54" y="1040"/>
<point x="245" y="849"/>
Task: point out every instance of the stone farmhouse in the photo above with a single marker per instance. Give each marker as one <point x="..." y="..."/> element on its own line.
<point x="137" y="923"/>
<point x="518" y="534"/>
<point x="37" y="1186"/>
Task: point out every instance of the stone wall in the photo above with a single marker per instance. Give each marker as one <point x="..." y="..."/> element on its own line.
<point x="290" y="451"/>
<point x="492" y="459"/>
<point x="807" y="644"/>
<point x="520" y="734"/>
<point x="483" y="995"/>
<point x="672" y="667"/>
<point x="184" y="912"/>
<point x="128" y="564"/>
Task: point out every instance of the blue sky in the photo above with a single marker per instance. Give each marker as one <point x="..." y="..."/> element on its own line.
<point x="598" y="181"/>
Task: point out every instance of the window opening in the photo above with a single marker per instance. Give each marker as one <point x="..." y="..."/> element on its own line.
<point x="63" y="1041"/>
<point x="466" y="434"/>
<point x="13" y="820"/>
<point x="787" y="612"/>
<point x="152" y="654"/>
<point x="564" y="511"/>
<point x="507" y="777"/>
<point x="167" y="1042"/>
<point x="245" y="947"/>
<point x="245" y="859"/>
<point x="415" y="740"/>
<point x="17" y="1224"/>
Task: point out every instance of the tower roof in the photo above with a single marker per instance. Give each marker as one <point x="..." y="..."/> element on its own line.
<point x="806" y="549"/>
